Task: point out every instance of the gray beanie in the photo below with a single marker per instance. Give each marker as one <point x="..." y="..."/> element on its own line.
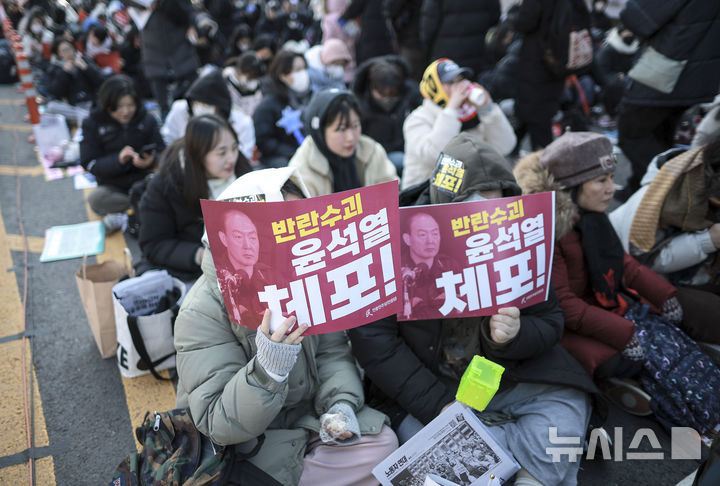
<point x="577" y="157"/>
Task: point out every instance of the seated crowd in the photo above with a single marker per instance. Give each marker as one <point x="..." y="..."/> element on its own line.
<point x="295" y="99"/>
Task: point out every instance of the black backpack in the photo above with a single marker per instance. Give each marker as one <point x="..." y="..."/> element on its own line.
<point x="136" y="193"/>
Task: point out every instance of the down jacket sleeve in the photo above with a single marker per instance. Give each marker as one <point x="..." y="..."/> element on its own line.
<point x="647" y="283"/>
<point x="585" y="318"/>
<point x="682" y="251"/>
<point x="337" y="374"/>
<point x="231" y="398"/>
<point x="645" y="17"/>
<point x="93" y="156"/>
<point x="159" y="235"/>
<point x="541" y="327"/>
<point x="394" y="368"/>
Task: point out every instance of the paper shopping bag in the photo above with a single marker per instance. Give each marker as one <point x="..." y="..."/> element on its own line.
<point x="95" y="283"/>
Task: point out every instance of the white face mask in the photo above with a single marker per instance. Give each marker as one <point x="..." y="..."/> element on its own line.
<point x="335" y="71"/>
<point x="250" y="84"/>
<point x="36" y="28"/>
<point x="475" y="197"/>
<point x="300" y="81"/>
<point x="199" y="108"/>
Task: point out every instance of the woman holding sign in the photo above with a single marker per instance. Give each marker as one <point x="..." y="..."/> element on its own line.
<point x="336" y="156"/>
<point x="297" y="399"/>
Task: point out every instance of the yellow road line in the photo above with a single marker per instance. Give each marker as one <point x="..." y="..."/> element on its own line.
<point x="15" y="126"/>
<point x="12" y="101"/>
<point x="12" y="408"/>
<point x="145" y="392"/>
<point x="11" y="170"/>
<point x="35" y="243"/>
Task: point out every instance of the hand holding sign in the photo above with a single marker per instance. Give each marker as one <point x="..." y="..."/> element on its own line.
<point x="505" y="325"/>
<point x="276" y="352"/>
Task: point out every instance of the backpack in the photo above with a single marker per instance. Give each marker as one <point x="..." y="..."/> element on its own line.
<point x="8" y="69"/>
<point x="170" y="456"/>
<point x="566" y="49"/>
<point x="136" y="193"/>
<point x="683" y="382"/>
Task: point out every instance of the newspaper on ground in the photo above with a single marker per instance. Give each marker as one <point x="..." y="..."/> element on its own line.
<point x="332" y="261"/>
<point x="73" y="241"/>
<point x="456" y="448"/>
<point x="472" y="258"/>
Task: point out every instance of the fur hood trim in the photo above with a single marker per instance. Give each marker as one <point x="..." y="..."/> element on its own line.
<point x="533" y="177"/>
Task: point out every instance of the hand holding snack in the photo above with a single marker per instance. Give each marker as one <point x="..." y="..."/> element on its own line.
<point x="339" y="424"/>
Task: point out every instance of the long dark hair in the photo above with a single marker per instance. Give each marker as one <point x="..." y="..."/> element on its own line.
<point x="281" y="65"/>
<point x="201" y="136"/>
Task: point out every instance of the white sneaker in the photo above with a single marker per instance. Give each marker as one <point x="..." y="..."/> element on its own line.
<point x="114" y="222"/>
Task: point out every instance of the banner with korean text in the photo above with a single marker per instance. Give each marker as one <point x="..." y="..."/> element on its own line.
<point x="472" y="258"/>
<point x="333" y="261"/>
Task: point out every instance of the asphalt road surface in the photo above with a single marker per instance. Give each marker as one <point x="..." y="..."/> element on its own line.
<point x="70" y="410"/>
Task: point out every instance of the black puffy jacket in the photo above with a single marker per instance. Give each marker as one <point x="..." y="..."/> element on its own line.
<point x="104" y="138"/>
<point x="166" y="52"/>
<point x="537" y="89"/>
<point x="456" y="29"/>
<point x="76" y="86"/>
<point x="402" y="359"/>
<point x="170" y="231"/>
<point x="382" y="126"/>
<point x="681" y="30"/>
<point x="272" y="140"/>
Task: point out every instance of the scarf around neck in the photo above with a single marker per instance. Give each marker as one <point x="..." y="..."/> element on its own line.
<point x="343" y="169"/>
<point x="604" y="258"/>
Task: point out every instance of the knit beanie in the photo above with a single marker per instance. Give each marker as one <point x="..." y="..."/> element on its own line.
<point x="577" y="157"/>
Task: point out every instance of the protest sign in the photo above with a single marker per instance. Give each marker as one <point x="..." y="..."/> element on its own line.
<point x="472" y="258"/>
<point x="333" y="261"/>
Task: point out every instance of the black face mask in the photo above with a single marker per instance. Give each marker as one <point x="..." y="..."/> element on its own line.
<point x="628" y="40"/>
<point x="388" y="103"/>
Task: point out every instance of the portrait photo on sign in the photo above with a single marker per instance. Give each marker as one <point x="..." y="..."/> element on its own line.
<point x="332" y="261"/>
<point x="473" y="258"/>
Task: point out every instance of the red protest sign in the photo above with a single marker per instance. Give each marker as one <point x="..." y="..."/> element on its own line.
<point x="472" y="258"/>
<point x="333" y="261"/>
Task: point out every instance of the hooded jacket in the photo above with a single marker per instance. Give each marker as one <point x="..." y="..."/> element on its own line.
<point x="593" y="334"/>
<point x="232" y="399"/>
<point x="211" y="90"/>
<point x="385" y="127"/>
<point x="371" y="162"/>
<point x="104" y="138"/>
<point x="403" y="360"/>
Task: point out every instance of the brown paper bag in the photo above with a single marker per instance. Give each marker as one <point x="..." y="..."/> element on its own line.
<point x="95" y="283"/>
